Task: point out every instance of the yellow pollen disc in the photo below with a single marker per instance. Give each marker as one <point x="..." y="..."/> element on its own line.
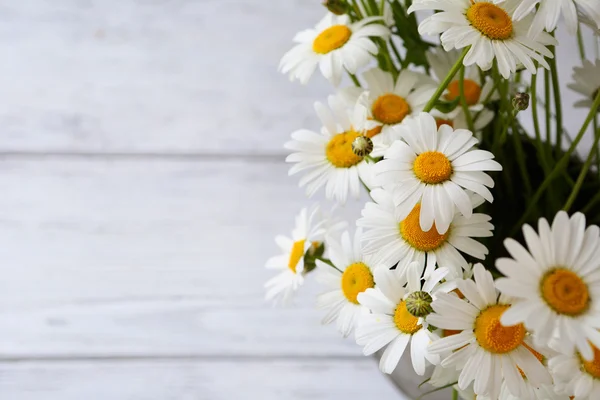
<point x="490" y="20"/>
<point x="471" y="88"/>
<point x="440" y="121"/>
<point x="405" y="321"/>
<point x="390" y="109"/>
<point x="592" y="367"/>
<point x="565" y="292"/>
<point x="339" y="150"/>
<point x="356" y="279"/>
<point x="495" y="337"/>
<point x="432" y="167"/>
<point x="296" y="254"/>
<point x="331" y="38"/>
<point x="410" y="229"/>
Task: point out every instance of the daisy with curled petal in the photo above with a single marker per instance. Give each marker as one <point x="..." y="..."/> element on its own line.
<point x="327" y="158"/>
<point x="308" y="233"/>
<point x="350" y="275"/>
<point x="393" y="239"/>
<point x="576" y="376"/>
<point x="435" y="167"/>
<point x="489" y="30"/>
<point x="388" y="102"/>
<point x="335" y="44"/>
<point x="556" y="282"/>
<point x="587" y="82"/>
<point x="486" y="352"/>
<point x="397" y="316"/>
<point x="549" y="11"/>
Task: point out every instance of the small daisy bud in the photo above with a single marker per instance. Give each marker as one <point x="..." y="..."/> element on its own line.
<point x="337" y="7"/>
<point x="521" y="101"/>
<point x="362" y="146"/>
<point x="419" y="304"/>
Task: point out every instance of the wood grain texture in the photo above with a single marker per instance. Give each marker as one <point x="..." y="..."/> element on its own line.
<point x="178" y="380"/>
<point x="150" y="258"/>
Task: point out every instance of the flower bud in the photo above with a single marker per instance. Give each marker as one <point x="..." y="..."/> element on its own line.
<point x="419" y="304"/>
<point x="521" y="101"/>
<point x="362" y="146"/>
<point x="337" y="7"/>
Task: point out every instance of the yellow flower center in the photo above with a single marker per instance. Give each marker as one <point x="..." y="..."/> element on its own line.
<point x="331" y="38"/>
<point x="339" y="150"/>
<point x="565" y="292"/>
<point x="471" y="88"/>
<point x="410" y="229"/>
<point x="390" y="109"/>
<point x="490" y="20"/>
<point x="592" y="367"/>
<point x="495" y="337"/>
<point x="405" y="321"/>
<point x="296" y="254"/>
<point x="432" y="167"/>
<point x="356" y="279"/>
<point x="440" y="121"/>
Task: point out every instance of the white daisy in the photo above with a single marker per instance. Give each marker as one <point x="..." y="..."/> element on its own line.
<point x="394" y="239"/>
<point x="307" y="234"/>
<point x="486" y="352"/>
<point x="549" y="11"/>
<point x="350" y="275"/>
<point x="327" y="158"/>
<point x="576" y="376"/>
<point x="389" y="102"/>
<point x="556" y="282"/>
<point x="587" y="82"/>
<point x="544" y="392"/>
<point x="335" y="44"/>
<point x="490" y="31"/>
<point x="435" y="167"/>
<point x="477" y="89"/>
<point x="391" y="323"/>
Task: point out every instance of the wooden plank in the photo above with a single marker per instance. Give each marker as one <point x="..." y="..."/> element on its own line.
<point x="152" y="76"/>
<point x="138" y="257"/>
<point x="196" y="380"/>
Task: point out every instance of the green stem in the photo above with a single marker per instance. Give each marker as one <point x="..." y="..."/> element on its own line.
<point x="557" y="101"/>
<point x="558" y="168"/>
<point x="431" y="103"/>
<point x="521" y="157"/>
<point x="582" y="174"/>
<point x="463" y="100"/>
<point x="454" y="394"/>
<point x="536" y="126"/>
<point x="547" y="107"/>
<point x="354" y="79"/>
<point x="580" y="43"/>
<point x="397" y="53"/>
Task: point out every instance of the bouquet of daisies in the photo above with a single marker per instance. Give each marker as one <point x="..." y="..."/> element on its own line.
<point x="478" y="247"/>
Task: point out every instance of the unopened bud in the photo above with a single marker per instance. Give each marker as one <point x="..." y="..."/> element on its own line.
<point x="362" y="146"/>
<point x="419" y="304"/>
<point x="337" y="7"/>
<point x="521" y="101"/>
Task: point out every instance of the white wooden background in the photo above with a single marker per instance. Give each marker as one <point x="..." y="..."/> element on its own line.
<point x="142" y="177"/>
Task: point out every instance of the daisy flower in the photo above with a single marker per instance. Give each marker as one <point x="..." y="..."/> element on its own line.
<point x="335" y="44"/>
<point x="576" y="376"/>
<point x="489" y="30"/>
<point x="587" y="82"/>
<point x="327" y="157"/>
<point x="556" y="282"/>
<point x="549" y="11"/>
<point x="397" y="316"/>
<point x="395" y="239"/>
<point x="477" y="90"/>
<point x="307" y="234"/>
<point x="434" y="167"/>
<point x="388" y="102"/>
<point x="486" y="352"/>
<point x="351" y="274"/>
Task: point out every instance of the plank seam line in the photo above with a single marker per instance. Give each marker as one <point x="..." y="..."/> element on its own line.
<point x="142" y="156"/>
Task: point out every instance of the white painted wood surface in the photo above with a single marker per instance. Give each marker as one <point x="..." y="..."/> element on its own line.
<point x="132" y="250"/>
